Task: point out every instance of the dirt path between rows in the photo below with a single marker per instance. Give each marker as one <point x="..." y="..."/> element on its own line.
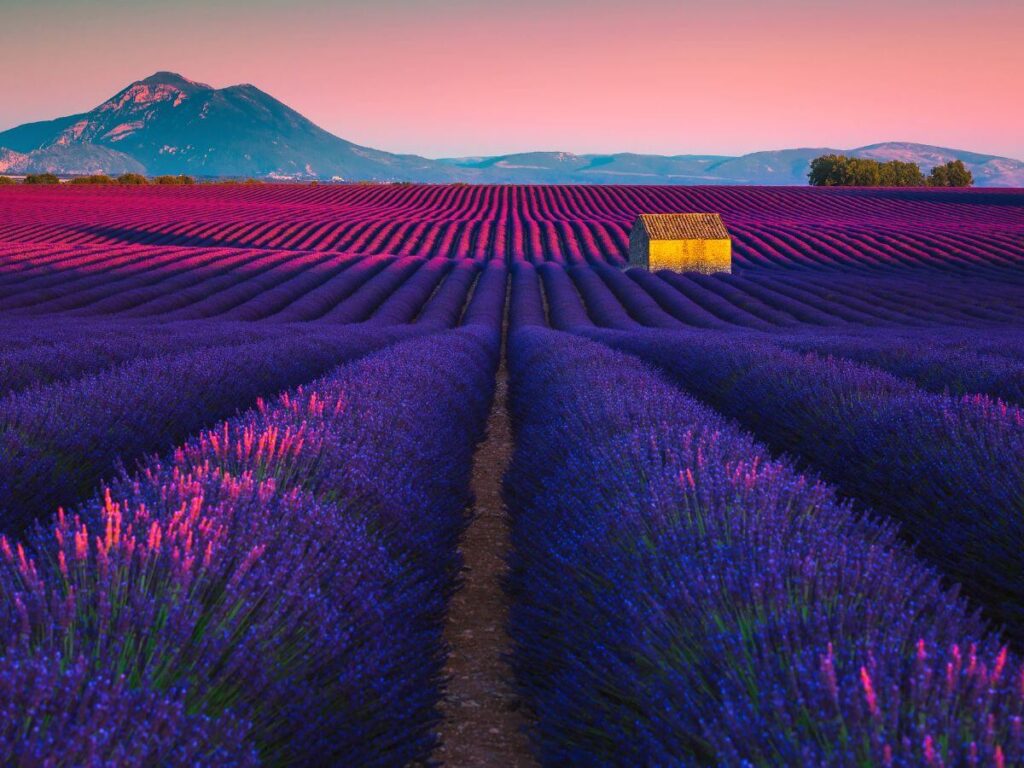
<point x="483" y="719"/>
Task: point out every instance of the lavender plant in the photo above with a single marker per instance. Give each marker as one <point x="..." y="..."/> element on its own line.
<point x="932" y="366"/>
<point x="286" y="571"/>
<point x="54" y="712"/>
<point x="57" y="442"/>
<point x="682" y="598"/>
<point x="947" y="468"/>
<point x="77" y="356"/>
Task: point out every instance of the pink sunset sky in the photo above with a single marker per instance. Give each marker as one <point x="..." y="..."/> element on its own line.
<point x="457" y="77"/>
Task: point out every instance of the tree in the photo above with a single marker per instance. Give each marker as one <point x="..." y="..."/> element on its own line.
<point x="829" y="171"/>
<point x="41" y="178"/>
<point x="951" y="174"/>
<point x="132" y="178"/>
<point x="843" y="171"/>
<point x="898" y="174"/>
<point x="864" y="173"/>
<point x="6" y="180"/>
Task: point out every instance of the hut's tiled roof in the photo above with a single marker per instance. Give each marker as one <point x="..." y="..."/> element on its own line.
<point x="683" y="226"/>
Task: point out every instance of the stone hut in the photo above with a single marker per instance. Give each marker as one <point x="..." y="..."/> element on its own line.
<point x="681" y="242"/>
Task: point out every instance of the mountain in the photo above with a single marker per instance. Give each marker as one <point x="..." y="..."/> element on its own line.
<point x="170" y="124"/>
<point x="64" y="160"/>
<point x="988" y="170"/>
<point x="567" y="168"/>
<point x="786" y="166"/>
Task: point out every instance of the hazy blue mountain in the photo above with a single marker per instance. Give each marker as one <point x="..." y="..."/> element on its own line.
<point x="988" y="170"/>
<point x="784" y="166"/>
<point x="30" y="136"/>
<point x="170" y="124"/>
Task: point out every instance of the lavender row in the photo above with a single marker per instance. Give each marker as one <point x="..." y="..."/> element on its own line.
<point x="995" y="340"/>
<point x="753" y="300"/>
<point x="487" y="304"/>
<point x="281" y="578"/>
<point x="527" y="302"/>
<point x="284" y="292"/>
<point x="365" y="301"/>
<point x="326" y="296"/>
<point x="218" y="297"/>
<point x="58" y="441"/>
<point x="169" y="291"/>
<point x="21" y="333"/>
<point x="80" y="354"/>
<point x="681" y="598"/>
<point x="57" y="290"/>
<point x="602" y="305"/>
<point x="406" y="303"/>
<point x="733" y="312"/>
<point x="782" y="302"/>
<point x="936" y="368"/>
<point x="446" y="306"/>
<point x="565" y="306"/>
<point x="947" y="468"/>
<point x="674" y="302"/>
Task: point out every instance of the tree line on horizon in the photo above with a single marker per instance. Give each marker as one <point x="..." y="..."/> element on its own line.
<point x="125" y="179"/>
<point x="844" y="171"/>
<point x="130" y="179"/>
<point x="830" y="170"/>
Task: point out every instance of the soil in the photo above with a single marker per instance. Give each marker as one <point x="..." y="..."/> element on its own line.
<point x="484" y="720"/>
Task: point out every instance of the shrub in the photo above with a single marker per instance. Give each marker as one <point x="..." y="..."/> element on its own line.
<point x="41" y="178"/>
<point x="98" y="178"/>
<point x="181" y="180"/>
<point x="132" y="178"/>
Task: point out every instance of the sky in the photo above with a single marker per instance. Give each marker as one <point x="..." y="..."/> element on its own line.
<point x="448" y="78"/>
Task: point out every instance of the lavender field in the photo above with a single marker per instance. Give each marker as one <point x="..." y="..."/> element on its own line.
<point x="250" y="437"/>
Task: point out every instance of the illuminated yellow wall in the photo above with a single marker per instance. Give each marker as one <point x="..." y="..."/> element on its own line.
<point x="691" y="255"/>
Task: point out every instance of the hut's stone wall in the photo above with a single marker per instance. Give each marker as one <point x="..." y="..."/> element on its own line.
<point x="639" y="243"/>
<point x="708" y="256"/>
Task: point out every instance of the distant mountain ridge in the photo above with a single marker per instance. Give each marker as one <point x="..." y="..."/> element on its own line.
<point x="168" y="124"/>
<point x="777" y="167"/>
